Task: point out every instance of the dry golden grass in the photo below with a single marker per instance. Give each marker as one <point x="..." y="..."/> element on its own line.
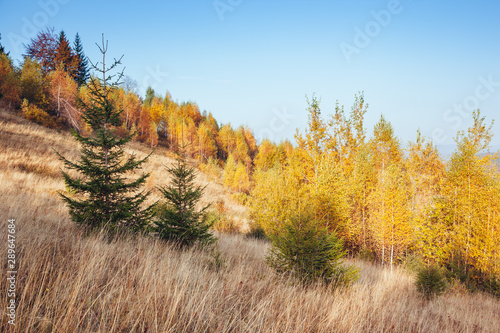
<point x="70" y="283"/>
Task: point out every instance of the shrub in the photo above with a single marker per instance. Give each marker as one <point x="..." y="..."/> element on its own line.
<point x="9" y="83"/>
<point x="33" y="113"/>
<point x="309" y="253"/>
<point x="43" y="170"/>
<point x="220" y="206"/>
<point x="431" y="281"/>
<point x="256" y="231"/>
<point x="217" y="262"/>
<point x="241" y="198"/>
<point x="470" y="277"/>
<point x="366" y="254"/>
<point x="222" y="222"/>
<point x="211" y="169"/>
<point x="491" y="284"/>
<point x="413" y="263"/>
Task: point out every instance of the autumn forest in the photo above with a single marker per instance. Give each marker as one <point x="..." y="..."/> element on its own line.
<point x="339" y="186"/>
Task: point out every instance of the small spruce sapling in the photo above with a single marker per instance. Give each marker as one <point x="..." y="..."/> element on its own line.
<point x="177" y="219"/>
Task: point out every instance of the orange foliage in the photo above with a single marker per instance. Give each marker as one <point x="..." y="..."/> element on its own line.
<point x="62" y="93"/>
<point x="38" y="115"/>
<point x="9" y="83"/>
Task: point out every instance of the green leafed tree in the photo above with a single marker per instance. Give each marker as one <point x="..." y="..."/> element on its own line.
<point x="178" y="219"/>
<point x="82" y="71"/>
<point x="102" y="197"/>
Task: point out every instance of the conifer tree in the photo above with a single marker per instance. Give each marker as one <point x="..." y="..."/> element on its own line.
<point x="265" y="158"/>
<point x="386" y="159"/>
<point x="178" y="220"/>
<point x="313" y="142"/>
<point x="227" y="141"/>
<point x="2" y="49"/>
<point x="82" y="71"/>
<point x="66" y="56"/>
<point x="362" y="183"/>
<point x="426" y="170"/>
<point x="276" y="195"/>
<point x="10" y="89"/>
<point x="229" y="172"/>
<point x="309" y="253"/>
<point x="471" y="191"/>
<point x="391" y="214"/>
<point x="150" y="95"/>
<point x="207" y="147"/>
<point x="102" y="198"/>
<point x="241" y="181"/>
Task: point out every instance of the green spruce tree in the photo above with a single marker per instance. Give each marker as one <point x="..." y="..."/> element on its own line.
<point x="2" y="49"/>
<point x="150" y="95"/>
<point x="178" y="220"/>
<point x="102" y="198"/>
<point x="82" y="72"/>
<point x="310" y="253"/>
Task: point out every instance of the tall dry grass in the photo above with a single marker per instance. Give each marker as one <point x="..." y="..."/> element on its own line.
<point x="70" y="283"/>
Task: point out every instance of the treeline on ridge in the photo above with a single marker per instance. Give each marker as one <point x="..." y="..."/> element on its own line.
<point x="49" y="86"/>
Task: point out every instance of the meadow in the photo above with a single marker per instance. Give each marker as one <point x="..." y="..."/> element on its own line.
<point x="68" y="282"/>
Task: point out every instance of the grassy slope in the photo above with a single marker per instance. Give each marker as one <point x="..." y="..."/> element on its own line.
<point x="67" y="283"/>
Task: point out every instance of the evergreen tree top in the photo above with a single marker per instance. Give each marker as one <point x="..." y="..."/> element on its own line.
<point x="62" y="37"/>
<point x="103" y="197"/>
<point x="100" y="112"/>
<point x="82" y="73"/>
<point x="66" y="56"/>
<point x="2" y="49"/>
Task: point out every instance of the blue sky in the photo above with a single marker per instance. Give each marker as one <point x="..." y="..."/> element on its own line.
<point x="423" y="64"/>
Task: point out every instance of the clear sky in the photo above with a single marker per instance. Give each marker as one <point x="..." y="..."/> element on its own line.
<point x="422" y="64"/>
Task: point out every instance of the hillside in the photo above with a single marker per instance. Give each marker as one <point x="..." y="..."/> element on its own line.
<point x="70" y="283"/>
<point x="29" y="148"/>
